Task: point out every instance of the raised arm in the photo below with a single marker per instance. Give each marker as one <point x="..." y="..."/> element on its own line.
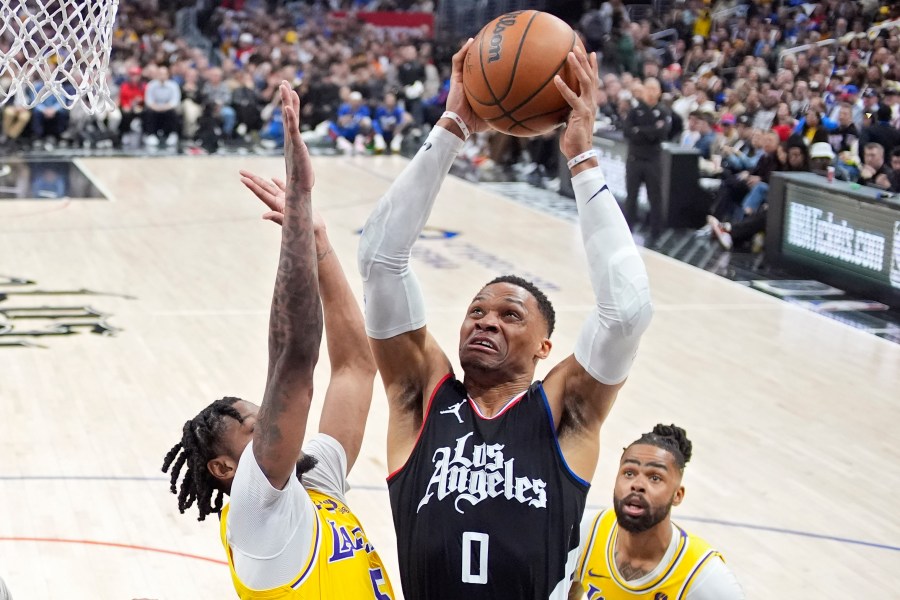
<point x="349" y="393"/>
<point x="409" y="359"/>
<point x="585" y="384"/>
<point x="295" y="322"/>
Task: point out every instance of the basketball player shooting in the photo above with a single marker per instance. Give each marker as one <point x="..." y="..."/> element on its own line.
<point x="489" y="474"/>
<point x="287" y="530"/>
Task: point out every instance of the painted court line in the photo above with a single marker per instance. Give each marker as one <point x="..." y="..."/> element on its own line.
<point x="381" y="488"/>
<point x="113" y="545"/>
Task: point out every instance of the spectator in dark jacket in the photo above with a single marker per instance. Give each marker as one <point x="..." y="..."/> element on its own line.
<point x="880" y="132"/>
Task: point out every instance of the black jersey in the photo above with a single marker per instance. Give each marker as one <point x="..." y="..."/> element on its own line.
<point x="486" y="508"/>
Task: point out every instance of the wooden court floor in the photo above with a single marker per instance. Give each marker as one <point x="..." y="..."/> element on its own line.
<point x="796" y="468"/>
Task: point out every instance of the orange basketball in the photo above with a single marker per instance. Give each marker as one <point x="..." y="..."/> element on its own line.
<point x="509" y="71"/>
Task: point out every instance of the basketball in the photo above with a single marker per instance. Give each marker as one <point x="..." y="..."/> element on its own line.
<point x="509" y="71"/>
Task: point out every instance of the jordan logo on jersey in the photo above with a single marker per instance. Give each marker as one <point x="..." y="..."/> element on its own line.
<point x="480" y="473"/>
<point x="454" y="410"/>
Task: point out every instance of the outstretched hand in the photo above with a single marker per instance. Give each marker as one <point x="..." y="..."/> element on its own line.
<point x="578" y="136"/>
<point x="456" y="98"/>
<point x="298" y="165"/>
<point x="271" y="193"/>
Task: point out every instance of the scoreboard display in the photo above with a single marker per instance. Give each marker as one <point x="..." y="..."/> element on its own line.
<point x="842" y="234"/>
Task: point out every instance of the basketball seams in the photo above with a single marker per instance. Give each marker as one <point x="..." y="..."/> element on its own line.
<point x="547" y="81"/>
<point x="487" y="82"/>
<point x="545" y="107"/>
<point x="512" y="74"/>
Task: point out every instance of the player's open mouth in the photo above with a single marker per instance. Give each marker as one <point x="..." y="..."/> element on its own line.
<point x="634" y="507"/>
<point x="482" y="344"/>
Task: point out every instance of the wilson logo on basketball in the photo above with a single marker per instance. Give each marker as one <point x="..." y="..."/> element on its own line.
<point x="507" y="20"/>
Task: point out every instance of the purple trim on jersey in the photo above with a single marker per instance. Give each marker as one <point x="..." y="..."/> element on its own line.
<point x="687" y="582"/>
<point x="312" y="559"/>
<point x="556" y="439"/>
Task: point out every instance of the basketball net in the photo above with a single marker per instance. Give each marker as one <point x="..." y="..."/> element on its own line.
<point x="59" y="48"/>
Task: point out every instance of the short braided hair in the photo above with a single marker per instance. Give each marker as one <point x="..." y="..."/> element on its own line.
<point x="670" y="438"/>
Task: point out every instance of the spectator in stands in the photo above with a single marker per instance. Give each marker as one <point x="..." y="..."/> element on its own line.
<point x="880" y="132"/>
<point x="895" y="170"/>
<point x="353" y="124"/>
<point x="822" y="156"/>
<point x="162" y="98"/>
<point x="687" y="103"/>
<point x="16" y="116"/>
<point x="846" y="136"/>
<point x="869" y="104"/>
<point x="247" y="106"/>
<point x="874" y="171"/>
<point x="192" y="102"/>
<point x="411" y="77"/>
<point x="48" y="119"/>
<point x="765" y="117"/>
<point x="218" y="91"/>
<point x="389" y="123"/>
<point x="792" y="156"/>
<point x="750" y="227"/>
<point x="727" y="135"/>
<point x="735" y="189"/>
<point x="707" y="136"/>
<point x="811" y="128"/>
<point x="131" y="99"/>
<point x="892" y="99"/>
<point x="743" y="154"/>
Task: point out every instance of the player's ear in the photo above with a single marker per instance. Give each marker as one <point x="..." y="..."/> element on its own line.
<point x="544" y="350"/>
<point x="679" y="496"/>
<point x="222" y="467"/>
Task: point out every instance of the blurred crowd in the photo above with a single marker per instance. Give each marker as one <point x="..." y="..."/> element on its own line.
<point x="756" y="86"/>
<point x="362" y="87"/>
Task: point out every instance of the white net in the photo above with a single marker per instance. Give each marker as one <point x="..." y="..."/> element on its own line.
<point x="56" y="47"/>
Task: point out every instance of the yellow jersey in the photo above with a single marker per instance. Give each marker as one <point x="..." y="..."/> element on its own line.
<point x="341" y="564"/>
<point x="600" y="577"/>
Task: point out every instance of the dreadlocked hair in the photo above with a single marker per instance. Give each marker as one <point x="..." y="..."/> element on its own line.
<point x="543" y="302"/>
<point x="671" y="438"/>
<point x="199" y="444"/>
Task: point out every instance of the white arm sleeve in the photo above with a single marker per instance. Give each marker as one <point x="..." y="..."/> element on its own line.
<point x="716" y="582"/>
<point x="270" y="531"/>
<point x="393" y="298"/>
<point x="609" y="338"/>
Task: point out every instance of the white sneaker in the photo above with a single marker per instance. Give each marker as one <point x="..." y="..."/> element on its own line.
<point x="344" y="145"/>
<point x="723" y="236"/>
<point x="151" y="141"/>
<point x="396" y="142"/>
<point x="241" y="130"/>
<point x="379" y="143"/>
<point x="359" y="146"/>
<point x="172" y="139"/>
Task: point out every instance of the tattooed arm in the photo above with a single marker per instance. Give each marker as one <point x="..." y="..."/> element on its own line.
<point x="295" y="321"/>
<point x="349" y="396"/>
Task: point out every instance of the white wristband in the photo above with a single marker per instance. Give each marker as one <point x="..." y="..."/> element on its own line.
<point x="582" y="157"/>
<point x="462" y="124"/>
